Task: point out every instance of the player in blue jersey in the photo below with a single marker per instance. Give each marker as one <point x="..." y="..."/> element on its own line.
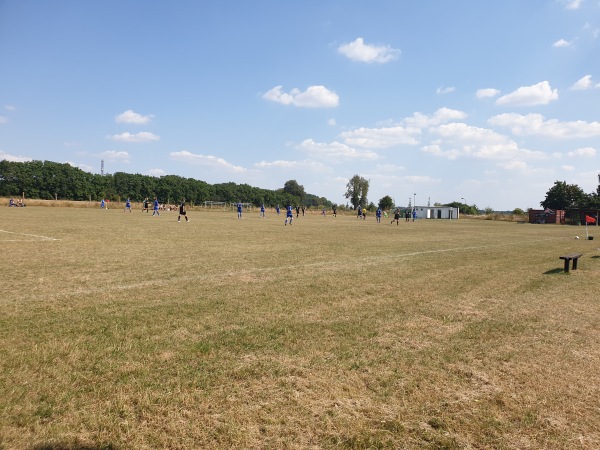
<point x="127" y="205"/>
<point x="155" y="211"/>
<point x="262" y="211"/>
<point x="239" y="210"/>
<point x="378" y="215"/>
<point x="289" y="214"/>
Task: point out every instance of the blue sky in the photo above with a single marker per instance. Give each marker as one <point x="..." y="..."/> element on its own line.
<point x="486" y="101"/>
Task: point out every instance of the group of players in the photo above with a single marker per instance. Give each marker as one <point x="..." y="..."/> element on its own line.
<point x="289" y="211"/>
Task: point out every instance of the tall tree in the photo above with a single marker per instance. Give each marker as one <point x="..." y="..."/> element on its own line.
<point x="294" y="189"/>
<point x="564" y="196"/>
<point x="357" y="190"/>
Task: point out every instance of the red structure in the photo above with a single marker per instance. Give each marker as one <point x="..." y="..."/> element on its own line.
<point x="547" y="216"/>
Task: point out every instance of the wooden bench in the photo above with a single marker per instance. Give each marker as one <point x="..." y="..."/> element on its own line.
<point x="571" y="257"/>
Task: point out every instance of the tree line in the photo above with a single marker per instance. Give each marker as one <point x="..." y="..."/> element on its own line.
<point x="49" y="180"/>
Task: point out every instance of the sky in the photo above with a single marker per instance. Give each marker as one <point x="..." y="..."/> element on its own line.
<point x="433" y="101"/>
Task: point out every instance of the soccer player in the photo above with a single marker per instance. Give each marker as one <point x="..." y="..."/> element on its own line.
<point x="289" y="214"/>
<point x="262" y="211"/>
<point x="396" y="216"/>
<point x="127" y="205"/>
<point x="102" y="204"/>
<point x="155" y="211"/>
<point x="182" y="212"/>
<point x="335" y="211"/>
<point x="378" y="215"/>
<point x="277" y="209"/>
<point x="145" y="205"/>
<point x="239" y="209"/>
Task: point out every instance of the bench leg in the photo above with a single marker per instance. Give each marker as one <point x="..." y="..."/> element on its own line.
<point x="566" y="265"/>
<point x="575" y="263"/>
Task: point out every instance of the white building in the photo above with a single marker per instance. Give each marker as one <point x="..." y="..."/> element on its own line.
<point x="436" y="212"/>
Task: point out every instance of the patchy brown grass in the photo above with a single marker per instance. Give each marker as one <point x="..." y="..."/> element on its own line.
<point x="129" y="331"/>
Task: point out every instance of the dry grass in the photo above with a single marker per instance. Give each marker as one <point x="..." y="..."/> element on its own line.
<point x="129" y="331"/>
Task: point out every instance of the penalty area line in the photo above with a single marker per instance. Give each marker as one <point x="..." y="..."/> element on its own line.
<point x="44" y="238"/>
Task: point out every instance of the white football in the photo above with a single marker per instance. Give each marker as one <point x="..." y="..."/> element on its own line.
<point x="576" y="237"/>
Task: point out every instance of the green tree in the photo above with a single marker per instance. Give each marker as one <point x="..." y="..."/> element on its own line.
<point x="564" y="196"/>
<point x="386" y="203"/>
<point x="518" y="212"/>
<point x="295" y="190"/>
<point x="357" y="190"/>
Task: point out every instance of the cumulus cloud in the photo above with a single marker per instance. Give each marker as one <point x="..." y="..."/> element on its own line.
<point x="10" y="107"/>
<point x="312" y="97"/>
<point x="206" y="160"/>
<point x="585" y="151"/>
<point x="583" y="83"/>
<point x="567" y="168"/>
<point x="142" y="136"/>
<point x="445" y="90"/>
<point x="487" y="93"/>
<point x="3" y="119"/>
<point x="357" y="50"/>
<point x="462" y="140"/>
<point x="562" y="43"/>
<point x="442" y="115"/>
<point x="381" y="137"/>
<point x="335" y="151"/>
<point x="131" y="116"/>
<point x="111" y="155"/>
<point x="538" y="94"/>
<point x="536" y="125"/>
<point x="13" y="158"/>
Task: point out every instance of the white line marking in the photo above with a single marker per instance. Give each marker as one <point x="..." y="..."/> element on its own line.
<point x="45" y="238"/>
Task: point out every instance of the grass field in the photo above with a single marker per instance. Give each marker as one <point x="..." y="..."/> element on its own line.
<point x="126" y="331"/>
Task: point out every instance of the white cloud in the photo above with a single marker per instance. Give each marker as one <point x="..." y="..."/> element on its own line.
<point x="582" y="84"/>
<point x="585" y="151"/>
<point x="10" y="107"/>
<point x="313" y="166"/>
<point x="85" y="167"/>
<point x="573" y="4"/>
<point x="206" y="160"/>
<point x="13" y="158"/>
<point x="467" y="141"/>
<point x="445" y="90"/>
<point x="3" y="119"/>
<point x="335" y="151"/>
<point x="535" y="125"/>
<point x="487" y="93"/>
<point x="111" y="155"/>
<point x="312" y="97"/>
<point x="359" y="51"/>
<point x="514" y="165"/>
<point x="331" y="122"/>
<point x="538" y="94"/>
<point x="567" y="168"/>
<point x="562" y="43"/>
<point x="156" y="172"/>
<point x="142" y="136"/>
<point x="442" y="115"/>
<point x="381" y="137"/>
<point x="131" y="116"/>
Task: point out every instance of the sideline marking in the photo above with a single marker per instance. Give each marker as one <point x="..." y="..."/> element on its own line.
<point x="44" y="238"/>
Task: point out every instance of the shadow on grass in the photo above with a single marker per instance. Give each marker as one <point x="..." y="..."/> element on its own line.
<point x="595" y="257"/>
<point x="554" y="271"/>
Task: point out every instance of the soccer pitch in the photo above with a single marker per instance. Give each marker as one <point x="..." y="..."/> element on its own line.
<point x="123" y="330"/>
